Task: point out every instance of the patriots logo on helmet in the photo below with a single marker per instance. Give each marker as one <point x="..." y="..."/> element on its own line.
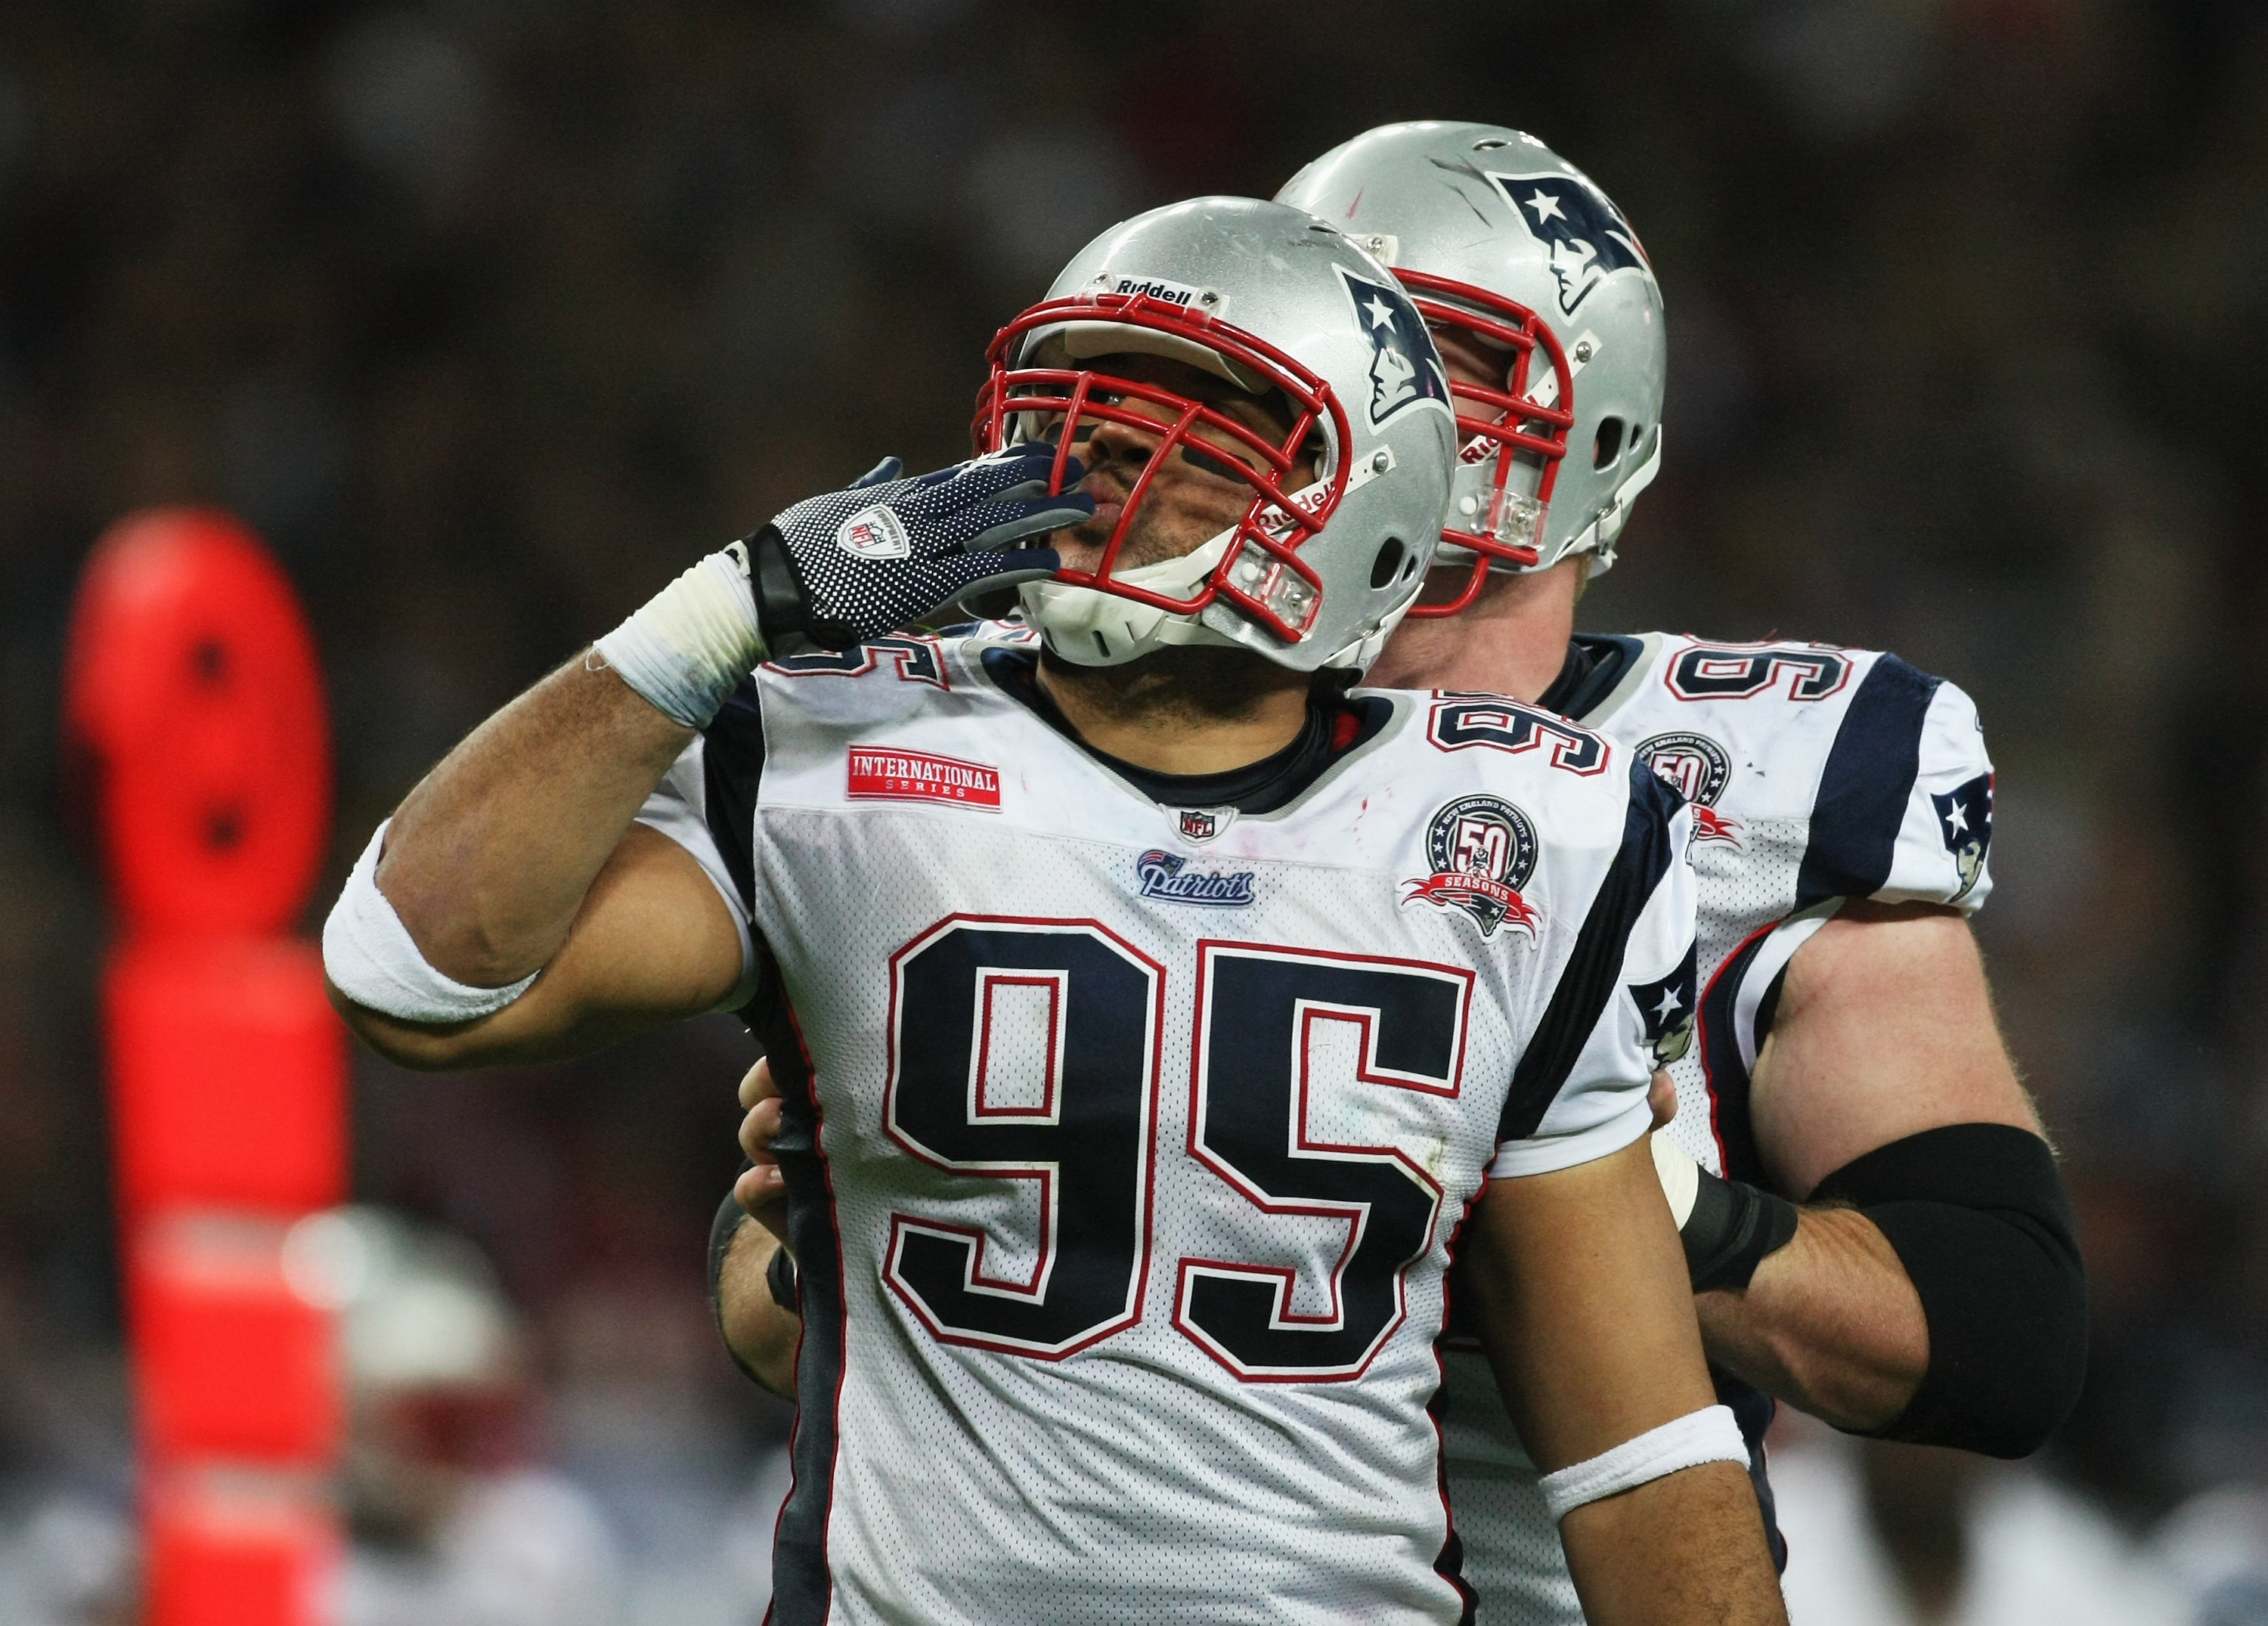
<point x="1588" y="239"/>
<point x="1964" y="822"/>
<point x="1666" y="1011"/>
<point x="1403" y="369"/>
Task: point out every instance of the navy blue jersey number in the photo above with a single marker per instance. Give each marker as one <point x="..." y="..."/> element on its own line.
<point x="1732" y="672"/>
<point x="1071" y="1123"/>
<point x="1257" y="1119"/>
<point x="917" y="657"/>
<point x="1081" y="1006"/>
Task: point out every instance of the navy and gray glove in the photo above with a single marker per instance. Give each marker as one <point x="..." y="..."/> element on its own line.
<point x="856" y="564"/>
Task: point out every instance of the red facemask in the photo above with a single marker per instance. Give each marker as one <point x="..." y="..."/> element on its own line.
<point x="1261" y="572"/>
<point x="1499" y="423"/>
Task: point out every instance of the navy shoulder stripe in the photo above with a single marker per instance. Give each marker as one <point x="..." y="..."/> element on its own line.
<point x="732" y="762"/>
<point x="1596" y="966"/>
<point x="1863" y="789"/>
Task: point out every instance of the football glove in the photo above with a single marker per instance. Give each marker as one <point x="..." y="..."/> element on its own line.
<point x="856" y="564"/>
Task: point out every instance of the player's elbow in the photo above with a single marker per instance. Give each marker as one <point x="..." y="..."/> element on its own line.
<point x="447" y="1047"/>
<point x="2009" y="1347"/>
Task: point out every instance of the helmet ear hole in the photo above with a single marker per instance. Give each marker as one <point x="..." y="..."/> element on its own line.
<point x="1608" y="446"/>
<point x="1389" y="562"/>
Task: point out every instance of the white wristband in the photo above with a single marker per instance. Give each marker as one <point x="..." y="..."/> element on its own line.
<point x="369" y="954"/>
<point x="686" y="647"/>
<point x="1709" y="1435"/>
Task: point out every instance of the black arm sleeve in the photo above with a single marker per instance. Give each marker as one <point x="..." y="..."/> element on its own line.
<point x="1978" y="1217"/>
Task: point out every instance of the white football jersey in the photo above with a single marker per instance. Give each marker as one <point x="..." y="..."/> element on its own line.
<point x="1816" y="774"/>
<point x="1126" y="1143"/>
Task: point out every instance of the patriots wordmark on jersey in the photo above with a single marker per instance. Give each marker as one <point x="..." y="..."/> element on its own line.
<point x="1125" y="1142"/>
<point x="1816" y="774"/>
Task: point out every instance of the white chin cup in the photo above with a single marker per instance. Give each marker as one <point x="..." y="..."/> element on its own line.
<point x="1597" y="538"/>
<point x="1090" y="627"/>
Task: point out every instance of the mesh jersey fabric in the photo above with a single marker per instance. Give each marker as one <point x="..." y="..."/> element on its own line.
<point x="1074" y="1153"/>
<point x="1817" y="773"/>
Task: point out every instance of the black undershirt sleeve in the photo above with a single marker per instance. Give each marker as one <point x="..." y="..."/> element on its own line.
<point x="1978" y="1217"/>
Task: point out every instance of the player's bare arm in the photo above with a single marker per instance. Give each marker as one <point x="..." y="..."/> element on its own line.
<point x="1582" y="1290"/>
<point x="1885" y="1031"/>
<point x="511" y="911"/>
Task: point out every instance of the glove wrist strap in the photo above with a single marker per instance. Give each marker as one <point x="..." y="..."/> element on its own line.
<point x="782" y="607"/>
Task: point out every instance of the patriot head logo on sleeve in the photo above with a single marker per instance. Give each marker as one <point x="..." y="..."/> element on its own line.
<point x="1666" y="1012"/>
<point x="1403" y="369"/>
<point x="1588" y="236"/>
<point x="1964" y="821"/>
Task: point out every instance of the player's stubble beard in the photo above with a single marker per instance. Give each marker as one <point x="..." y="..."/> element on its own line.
<point x="1189" y="685"/>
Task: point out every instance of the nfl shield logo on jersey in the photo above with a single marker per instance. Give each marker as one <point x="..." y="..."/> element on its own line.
<point x="1666" y="1011"/>
<point x="1698" y="768"/>
<point x="1202" y="824"/>
<point x="1403" y="370"/>
<point x="1964" y="819"/>
<point x="1483" y="851"/>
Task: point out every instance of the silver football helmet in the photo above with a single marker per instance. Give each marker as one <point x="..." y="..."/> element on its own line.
<point x="1274" y="301"/>
<point x="1555" y="280"/>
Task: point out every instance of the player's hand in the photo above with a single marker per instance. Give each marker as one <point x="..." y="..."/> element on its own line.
<point x="856" y="564"/>
<point x="760" y="1190"/>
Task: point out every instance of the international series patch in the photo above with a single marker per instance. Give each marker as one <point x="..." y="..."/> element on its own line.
<point x="1483" y="851"/>
<point x="1698" y="768"/>
<point x="878" y="773"/>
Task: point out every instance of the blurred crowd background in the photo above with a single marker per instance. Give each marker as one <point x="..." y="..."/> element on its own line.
<point x="490" y="314"/>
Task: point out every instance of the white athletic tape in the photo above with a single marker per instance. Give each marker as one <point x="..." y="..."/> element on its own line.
<point x="374" y="962"/>
<point x="1709" y="1435"/>
<point x="686" y="647"/>
<point x="1680" y="1174"/>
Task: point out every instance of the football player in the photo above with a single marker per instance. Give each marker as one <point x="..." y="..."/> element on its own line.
<point x="1874" y="1227"/>
<point x="1873" y="1224"/>
<point x="1149" y="1012"/>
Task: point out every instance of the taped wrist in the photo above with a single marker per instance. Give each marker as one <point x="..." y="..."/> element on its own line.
<point x="1709" y="1435"/>
<point x="371" y="959"/>
<point x="1978" y="1215"/>
<point x="687" y="648"/>
<point x="1733" y="1228"/>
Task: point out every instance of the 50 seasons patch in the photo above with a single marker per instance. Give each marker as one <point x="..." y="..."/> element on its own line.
<point x="1483" y="851"/>
<point x="887" y="774"/>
